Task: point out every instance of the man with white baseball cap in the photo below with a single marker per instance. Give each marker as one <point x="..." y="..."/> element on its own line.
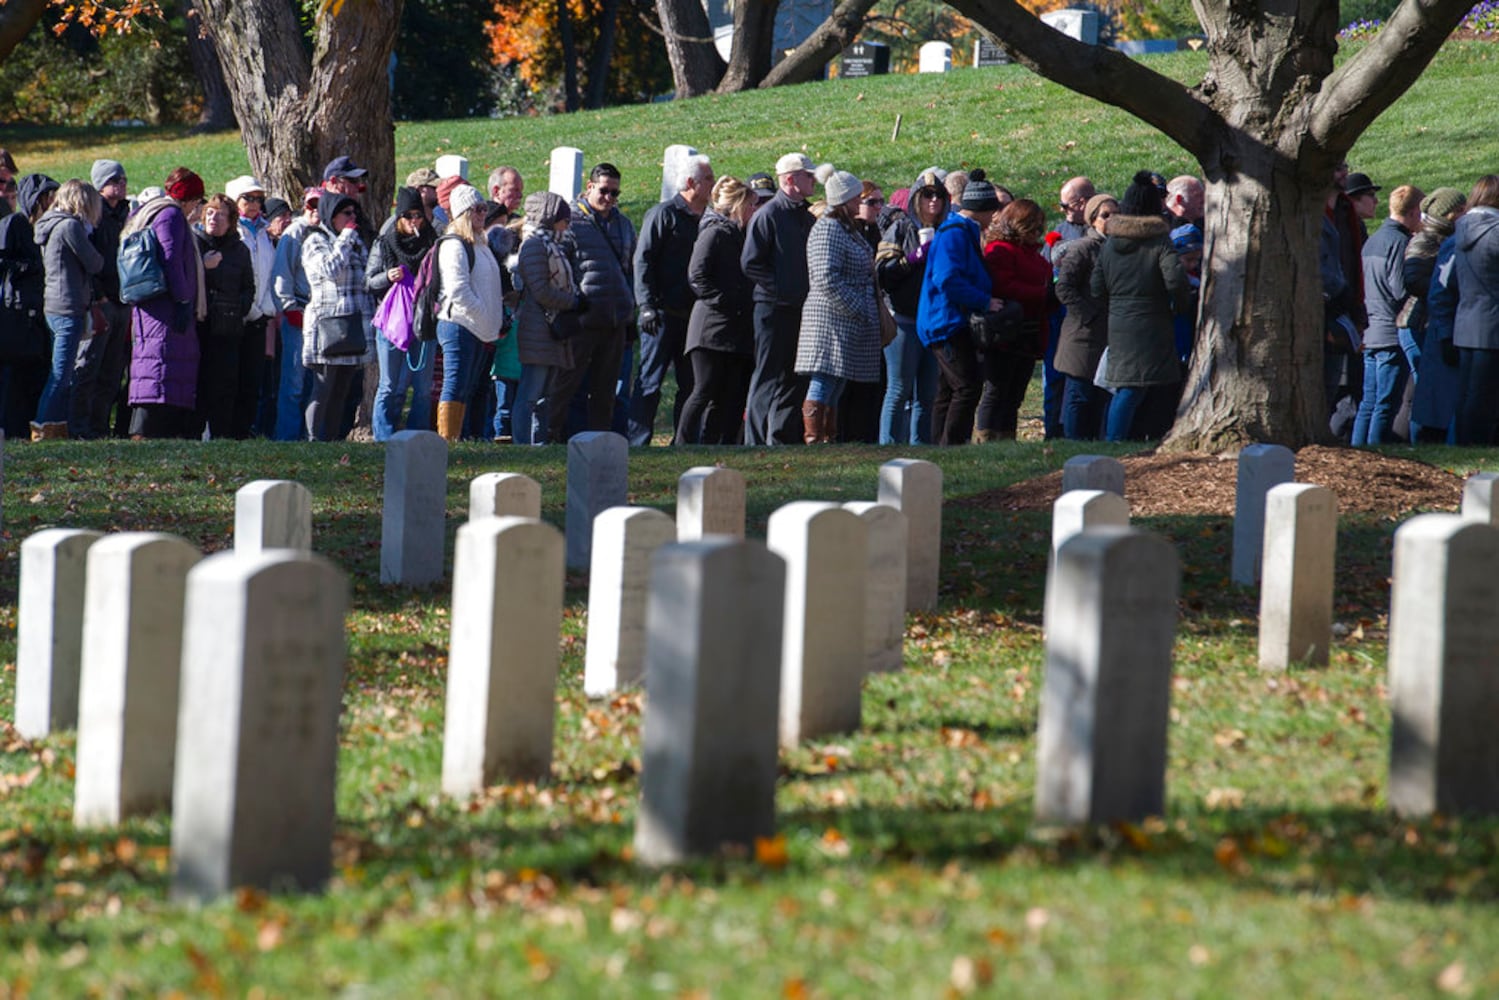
<point x="775" y="259"/>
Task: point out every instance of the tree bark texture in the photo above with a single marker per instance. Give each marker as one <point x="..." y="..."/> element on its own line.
<point x="218" y="106"/>
<point x="754" y="42"/>
<point x="1267" y="123"/>
<point x="696" y="66"/>
<point x="807" y="60"/>
<point x="296" y="113"/>
<point x="570" y="99"/>
<point x="17" y="18"/>
<point x="602" y="56"/>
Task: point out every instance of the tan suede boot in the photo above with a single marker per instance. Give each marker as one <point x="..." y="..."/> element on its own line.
<point x="450" y="421"/>
<point x="814" y="422"/>
<point x="982" y="436"/>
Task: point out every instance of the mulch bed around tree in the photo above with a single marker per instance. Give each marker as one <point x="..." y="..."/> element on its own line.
<point x="1154" y="484"/>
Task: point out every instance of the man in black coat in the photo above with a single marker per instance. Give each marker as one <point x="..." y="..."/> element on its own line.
<point x="665" y="298"/>
<point x="775" y="259"/>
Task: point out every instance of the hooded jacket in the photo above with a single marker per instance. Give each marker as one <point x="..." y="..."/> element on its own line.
<point x="71" y="262"/>
<point x="1475" y="272"/>
<point x="23" y="274"/>
<point x="547" y="286"/>
<point x="956" y="283"/>
<point x="1139" y="272"/>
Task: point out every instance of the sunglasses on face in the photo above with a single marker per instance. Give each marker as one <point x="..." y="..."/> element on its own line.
<point x="253" y="197"/>
<point x="871" y="201"/>
<point x="415" y="215"/>
<point x="607" y="192"/>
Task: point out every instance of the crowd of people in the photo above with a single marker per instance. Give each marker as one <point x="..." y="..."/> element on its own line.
<point x="783" y="318"/>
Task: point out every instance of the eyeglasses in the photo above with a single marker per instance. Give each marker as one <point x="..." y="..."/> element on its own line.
<point x="871" y="201"/>
<point x="253" y="197"/>
<point x="607" y="192"/>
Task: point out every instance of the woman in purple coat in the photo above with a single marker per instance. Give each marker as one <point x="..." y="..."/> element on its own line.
<point x="164" y="333"/>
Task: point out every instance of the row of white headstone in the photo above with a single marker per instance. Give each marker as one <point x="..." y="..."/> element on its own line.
<point x="1110" y="618"/>
<point x="114" y="629"/>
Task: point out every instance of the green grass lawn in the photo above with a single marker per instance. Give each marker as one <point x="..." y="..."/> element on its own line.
<point x="1028" y="133"/>
<point x="910" y="868"/>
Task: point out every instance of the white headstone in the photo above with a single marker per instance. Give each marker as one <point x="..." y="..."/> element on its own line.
<point x="671" y="167"/>
<point x="598" y="469"/>
<point x="452" y="165"/>
<point x="1261" y="466"/>
<point x="1101" y="739"/>
<point x="934" y="57"/>
<point x="1479" y="499"/>
<point x="884" y="585"/>
<point x="413" y="523"/>
<point x="502" y="658"/>
<point x="272" y="514"/>
<point x="49" y="631"/>
<point x="624" y="539"/>
<point x="257" y="730"/>
<point x="566" y="172"/>
<point x="1443" y="666"/>
<point x="710" y="501"/>
<point x="709" y="755"/>
<point x="1093" y="472"/>
<point x="504" y="494"/>
<point x="913" y="486"/>
<point x="822" y="652"/>
<point x="1073" y="513"/>
<point x="1301" y="539"/>
<point x="1075" y="23"/>
<point x="132" y="669"/>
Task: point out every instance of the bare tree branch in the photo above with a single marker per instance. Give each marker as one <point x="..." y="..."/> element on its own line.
<point x="17" y="18"/>
<point x="831" y="37"/>
<point x="1098" y="72"/>
<point x="1358" y="91"/>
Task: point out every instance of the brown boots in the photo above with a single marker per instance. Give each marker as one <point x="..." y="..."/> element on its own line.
<point x="450" y="421"/>
<point x="49" y="432"/>
<point x="819" y="423"/>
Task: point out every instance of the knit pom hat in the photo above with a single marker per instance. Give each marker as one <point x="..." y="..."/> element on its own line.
<point x="464" y="199"/>
<point x="979" y="195"/>
<point x="1142" y="197"/>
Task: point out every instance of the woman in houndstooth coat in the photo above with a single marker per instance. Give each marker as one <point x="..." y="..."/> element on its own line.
<point x="840" y="333"/>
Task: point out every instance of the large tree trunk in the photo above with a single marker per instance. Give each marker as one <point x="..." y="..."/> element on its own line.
<point x="218" y="106"/>
<point x="696" y="66"/>
<point x="296" y="114"/>
<point x="1267" y="123"/>
<point x="603" y="55"/>
<point x="17" y="18"/>
<point x="837" y="33"/>
<point x="754" y="45"/>
<point x="570" y="99"/>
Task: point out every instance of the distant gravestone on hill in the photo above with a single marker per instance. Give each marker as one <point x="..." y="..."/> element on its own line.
<point x="49" y="631"/>
<point x="565" y="172"/>
<point x="864" y="59"/>
<point x="1101" y="738"/>
<point x="257" y="729"/>
<point x="709" y="743"/>
<point x="934" y="57"/>
<point x="1075" y="23"/>
<point x="671" y="168"/>
<point x="987" y="53"/>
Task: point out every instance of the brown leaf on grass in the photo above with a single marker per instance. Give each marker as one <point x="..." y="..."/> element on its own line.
<point x="1230" y="856"/>
<point x="539" y="962"/>
<point x="771" y="851"/>
<point x="206" y="978"/>
<point x="953" y="736"/>
<point x="248" y="899"/>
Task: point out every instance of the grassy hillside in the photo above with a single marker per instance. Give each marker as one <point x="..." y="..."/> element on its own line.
<point x="1028" y="133"/>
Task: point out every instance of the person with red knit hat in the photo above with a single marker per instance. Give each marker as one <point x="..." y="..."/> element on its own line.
<point x="163" y="329"/>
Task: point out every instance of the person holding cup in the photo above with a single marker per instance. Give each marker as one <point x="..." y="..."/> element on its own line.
<point x="911" y="369"/>
<point x="397" y="254"/>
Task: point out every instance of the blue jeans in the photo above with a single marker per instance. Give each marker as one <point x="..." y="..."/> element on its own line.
<point x="1140" y="412"/>
<point x="295" y="386"/>
<point x="396" y="377"/>
<point x="460" y="361"/>
<point x="911" y="380"/>
<point x="826" y="389"/>
<point x="1084" y="407"/>
<point x="528" y="415"/>
<point x="504" y="399"/>
<point x="67" y="335"/>
<point x="1412" y="348"/>
<point x="1053" y="382"/>
<point x="1384" y="385"/>
<point x="660" y="352"/>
